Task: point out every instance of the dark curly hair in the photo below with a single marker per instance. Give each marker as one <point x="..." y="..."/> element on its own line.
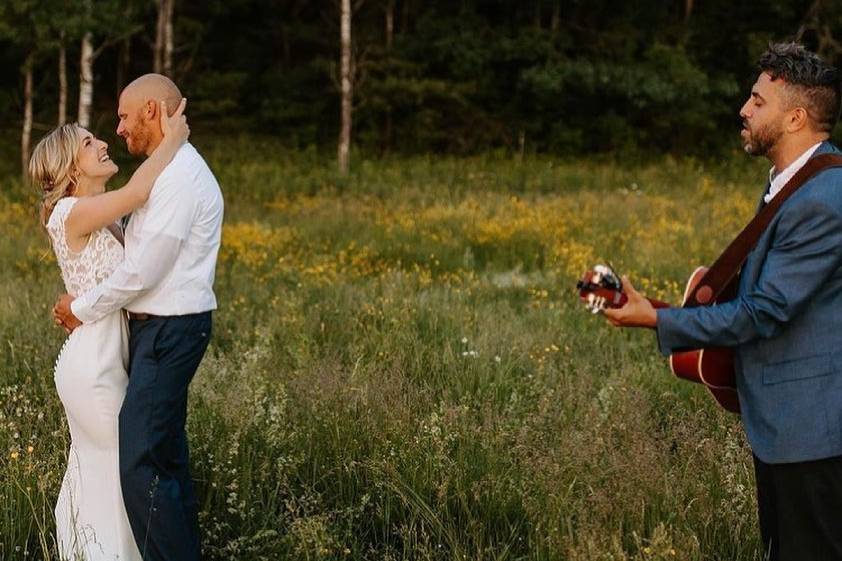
<point x="809" y="82"/>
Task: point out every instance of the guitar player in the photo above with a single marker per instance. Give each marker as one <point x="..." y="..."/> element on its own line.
<point x="785" y="324"/>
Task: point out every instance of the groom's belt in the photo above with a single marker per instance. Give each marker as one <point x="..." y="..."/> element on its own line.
<point x="139" y="316"/>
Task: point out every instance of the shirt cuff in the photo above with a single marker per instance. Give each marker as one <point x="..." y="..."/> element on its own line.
<point x="82" y="310"/>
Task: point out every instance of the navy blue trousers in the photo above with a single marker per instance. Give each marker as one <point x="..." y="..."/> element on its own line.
<point x="154" y="460"/>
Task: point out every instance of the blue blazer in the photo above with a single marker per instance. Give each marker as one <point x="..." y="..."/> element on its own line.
<point x="785" y="325"/>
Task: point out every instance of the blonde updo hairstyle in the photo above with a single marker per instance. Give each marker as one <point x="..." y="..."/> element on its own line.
<point x="52" y="167"/>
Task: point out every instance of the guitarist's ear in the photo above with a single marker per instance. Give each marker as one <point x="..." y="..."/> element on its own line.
<point x="796" y="120"/>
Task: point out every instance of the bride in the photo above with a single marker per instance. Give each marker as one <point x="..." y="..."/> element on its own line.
<point x="70" y="167"/>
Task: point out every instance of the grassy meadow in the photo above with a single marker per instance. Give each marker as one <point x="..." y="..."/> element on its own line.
<point x="400" y="368"/>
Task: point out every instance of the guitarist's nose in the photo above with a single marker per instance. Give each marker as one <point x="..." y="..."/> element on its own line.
<point x="745" y="111"/>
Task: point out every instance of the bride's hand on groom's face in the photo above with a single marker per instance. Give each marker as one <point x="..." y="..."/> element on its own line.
<point x="175" y="126"/>
<point x="63" y="316"/>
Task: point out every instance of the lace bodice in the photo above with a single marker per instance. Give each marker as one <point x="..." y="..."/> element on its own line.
<point x="82" y="270"/>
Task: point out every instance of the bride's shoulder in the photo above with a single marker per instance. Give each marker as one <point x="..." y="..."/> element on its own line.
<point x="60" y="212"/>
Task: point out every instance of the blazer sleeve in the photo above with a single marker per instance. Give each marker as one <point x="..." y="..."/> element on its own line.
<point x="806" y="251"/>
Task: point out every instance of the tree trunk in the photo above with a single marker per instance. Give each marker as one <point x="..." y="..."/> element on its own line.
<point x="168" y="39"/>
<point x="86" y="80"/>
<point x="688" y="11"/>
<point x="158" y="55"/>
<point x="164" y="38"/>
<point x="347" y="88"/>
<point x="390" y="23"/>
<point x="386" y="140"/>
<point x="555" y="22"/>
<point x="26" y="130"/>
<point x="62" y="82"/>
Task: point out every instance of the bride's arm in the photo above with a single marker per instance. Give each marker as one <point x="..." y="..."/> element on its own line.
<point x="92" y="213"/>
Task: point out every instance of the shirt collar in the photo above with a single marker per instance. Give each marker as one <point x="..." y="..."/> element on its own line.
<point x="777" y="182"/>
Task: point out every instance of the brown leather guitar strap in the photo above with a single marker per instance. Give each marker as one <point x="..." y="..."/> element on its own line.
<point x="724" y="270"/>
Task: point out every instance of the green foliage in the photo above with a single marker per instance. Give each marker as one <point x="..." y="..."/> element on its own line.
<point x="664" y="100"/>
<point x="567" y="77"/>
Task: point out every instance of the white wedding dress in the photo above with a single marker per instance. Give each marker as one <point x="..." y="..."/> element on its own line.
<point x="90" y="376"/>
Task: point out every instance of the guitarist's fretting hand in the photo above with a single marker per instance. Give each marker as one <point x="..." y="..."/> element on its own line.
<point x="638" y="311"/>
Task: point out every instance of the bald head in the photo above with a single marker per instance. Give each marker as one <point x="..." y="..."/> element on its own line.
<point x="138" y="110"/>
<point x="154" y="87"/>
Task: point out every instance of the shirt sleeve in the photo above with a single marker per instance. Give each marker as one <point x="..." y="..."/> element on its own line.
<point x="167" y="224"/>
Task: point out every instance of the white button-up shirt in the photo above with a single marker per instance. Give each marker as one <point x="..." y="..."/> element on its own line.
<point x="171" y="247"/>
<point x="777" y="182"/>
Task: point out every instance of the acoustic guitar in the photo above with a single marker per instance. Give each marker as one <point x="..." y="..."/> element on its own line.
<point x="712" y="367"/>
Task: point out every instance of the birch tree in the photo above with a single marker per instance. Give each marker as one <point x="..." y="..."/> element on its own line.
<point x="66" y="24"/>
<point x="62" y="80"/>
<point x="86" y="80"/>
<point x="26" y="129"/>
<point x="389" y="10"/>
<point x="390" y="39"/>
<point x="164" y="38"/>
<point x="106" y="25"/>
<point x="347" y="87"/>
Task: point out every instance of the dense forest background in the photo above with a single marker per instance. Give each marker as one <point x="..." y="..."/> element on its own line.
<point x="567" y="77"/>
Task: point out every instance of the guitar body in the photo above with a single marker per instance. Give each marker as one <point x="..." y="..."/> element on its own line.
<point x="713" y="367"/>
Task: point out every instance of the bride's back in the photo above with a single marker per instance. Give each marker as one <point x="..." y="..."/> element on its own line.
<point x="85" y="269"/>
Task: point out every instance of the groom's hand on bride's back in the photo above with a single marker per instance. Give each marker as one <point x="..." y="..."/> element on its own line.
<point x="63" y="316"/>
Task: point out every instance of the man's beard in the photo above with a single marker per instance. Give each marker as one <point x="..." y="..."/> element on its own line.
<point x="139" y="142"/>
<point x="763" y="139"/>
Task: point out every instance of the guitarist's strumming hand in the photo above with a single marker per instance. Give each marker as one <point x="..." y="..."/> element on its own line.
<point x="637" y="312"/>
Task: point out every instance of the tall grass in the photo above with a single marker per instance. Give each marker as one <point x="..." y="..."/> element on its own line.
<point x="400" y="369"/>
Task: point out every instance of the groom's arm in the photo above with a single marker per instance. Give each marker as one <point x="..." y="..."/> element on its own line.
<point x="169" y="216"/>
<point x="135" y="276"/>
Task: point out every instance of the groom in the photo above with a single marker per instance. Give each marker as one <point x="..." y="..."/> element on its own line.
<point x="165" y="283"/>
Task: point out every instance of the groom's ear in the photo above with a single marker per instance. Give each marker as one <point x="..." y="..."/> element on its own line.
<point x="150" y="112"/>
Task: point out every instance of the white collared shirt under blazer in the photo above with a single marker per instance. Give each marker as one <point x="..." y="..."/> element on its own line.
<point x="172" y="244"/>
<point x="778" y="181"/>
